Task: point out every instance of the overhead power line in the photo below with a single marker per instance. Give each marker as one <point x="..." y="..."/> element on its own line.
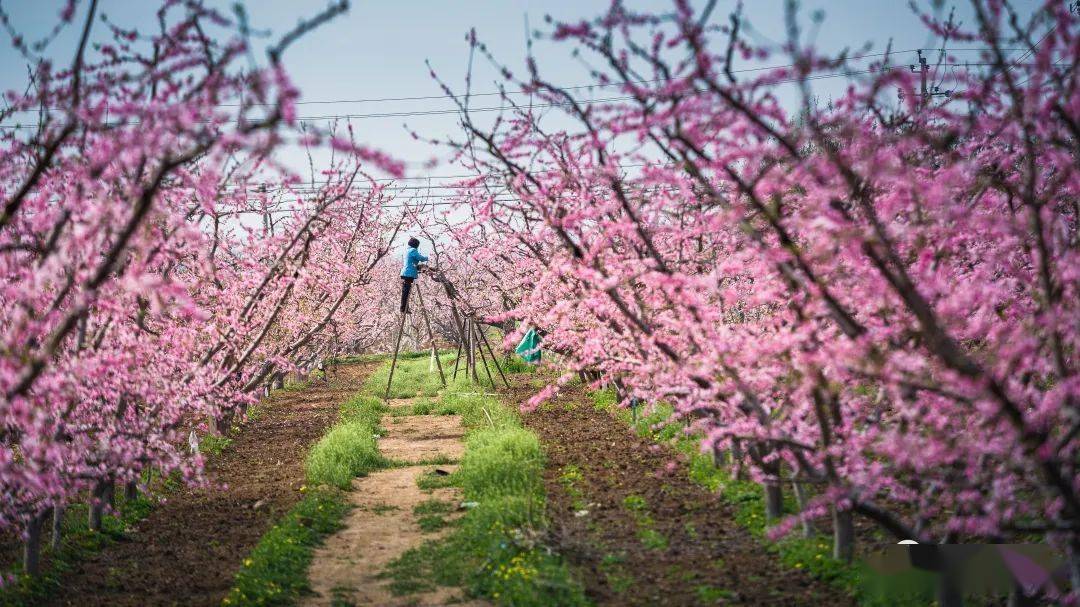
<point x="418" y="205"/>
<point x="305" y="187"/>
<point x="578" y="87"/>
<point x="414" y="113"/>
<point x="1031" y="50"/>
<point x="420" y="202"/>
<point x="304" y="184"/>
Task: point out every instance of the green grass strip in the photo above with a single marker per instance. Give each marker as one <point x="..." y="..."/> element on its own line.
<point x="276" y="571"/>
<point x="411" y="376"/>
<point x="494" y="550"/>
<point x="349" y="449"/>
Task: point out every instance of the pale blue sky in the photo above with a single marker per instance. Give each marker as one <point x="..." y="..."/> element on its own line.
<point x="378" y="49"/>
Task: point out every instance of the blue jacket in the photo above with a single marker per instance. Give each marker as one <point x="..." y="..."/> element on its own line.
<point x="412" y="258"/>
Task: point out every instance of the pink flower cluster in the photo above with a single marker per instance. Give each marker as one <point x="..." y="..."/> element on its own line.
<point x="877" y="299"/>
<point x="157" y="270"/>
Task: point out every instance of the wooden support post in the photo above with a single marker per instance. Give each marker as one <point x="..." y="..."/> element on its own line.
<point x="472" y="350"/>
<point x="492" y="353"/>
<point x="468" y="348"/>
<point x="431" y="334"/>
<point x="393" y="362"/>
<point x="457" y="358"/>
<point x="461" y="336"/>
<point x="483" y="357"/>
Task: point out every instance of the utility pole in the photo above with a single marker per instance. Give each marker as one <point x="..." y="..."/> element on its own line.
<point x="924" y="70"/>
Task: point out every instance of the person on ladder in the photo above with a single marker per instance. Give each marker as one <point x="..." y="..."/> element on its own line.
<point x="410" y="271"/>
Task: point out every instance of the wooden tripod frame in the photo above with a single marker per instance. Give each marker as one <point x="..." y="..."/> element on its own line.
<point x="471" y="339"/>
<point x="431" y="342"/>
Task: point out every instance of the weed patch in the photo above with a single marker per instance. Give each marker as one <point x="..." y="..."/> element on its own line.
<point x="710" y="595"/>
<point x="438" y="460"/>
<point x="646" y="527"/>
<point x="433" y="506"/>
<point x="433" y="480"/>
<point x="212" y="444"/>
<point x="431" y="522"/>
<point x="614" y="571"/>
<point x="349" y="449"/>
<point x="570" y="478"/>
<point x="411" y="377"/>
<point x="514" y="364"/>
<point x="276" y="571"/>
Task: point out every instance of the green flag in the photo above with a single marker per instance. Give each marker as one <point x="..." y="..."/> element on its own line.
<point x="529" y="348"/>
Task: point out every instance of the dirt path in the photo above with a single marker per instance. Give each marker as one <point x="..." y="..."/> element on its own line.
<point x="422" y="438"/>
<point x="382" y="524"/>
<point x="190" y="547"/>
<point x="644" y="534"/>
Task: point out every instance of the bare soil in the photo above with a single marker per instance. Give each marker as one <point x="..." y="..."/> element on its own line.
<point x="189" y="549"/>
<point x="382" y="525"/>
<point x="422" y="438"/>
<point x="695" y="553"/>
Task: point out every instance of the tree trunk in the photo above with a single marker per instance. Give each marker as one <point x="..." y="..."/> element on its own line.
<point x="98" y="499"/>
<point x="800" y="498"/>
<point x="218" y="426"/>
<point x="774" y="501"/>
<point x="131" y="491"/>
<point x="57" y="527"/>
<point x="718" y="457"/>
<point x="32" y="544"/>
<point x="843" y="535"/>
<point x="737" y="460"/>
<point x="948" y="595"/>
<point x="1073" y="560"/>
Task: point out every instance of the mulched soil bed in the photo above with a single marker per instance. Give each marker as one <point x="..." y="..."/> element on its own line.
<point x="190" y="547"/>
<point x="708" y="558"/>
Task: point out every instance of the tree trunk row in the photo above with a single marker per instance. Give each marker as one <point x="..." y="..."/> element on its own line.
<point x="102" y="496"/>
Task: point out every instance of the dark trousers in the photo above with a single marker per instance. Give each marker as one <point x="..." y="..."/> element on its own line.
<point x="406" y="286"/>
